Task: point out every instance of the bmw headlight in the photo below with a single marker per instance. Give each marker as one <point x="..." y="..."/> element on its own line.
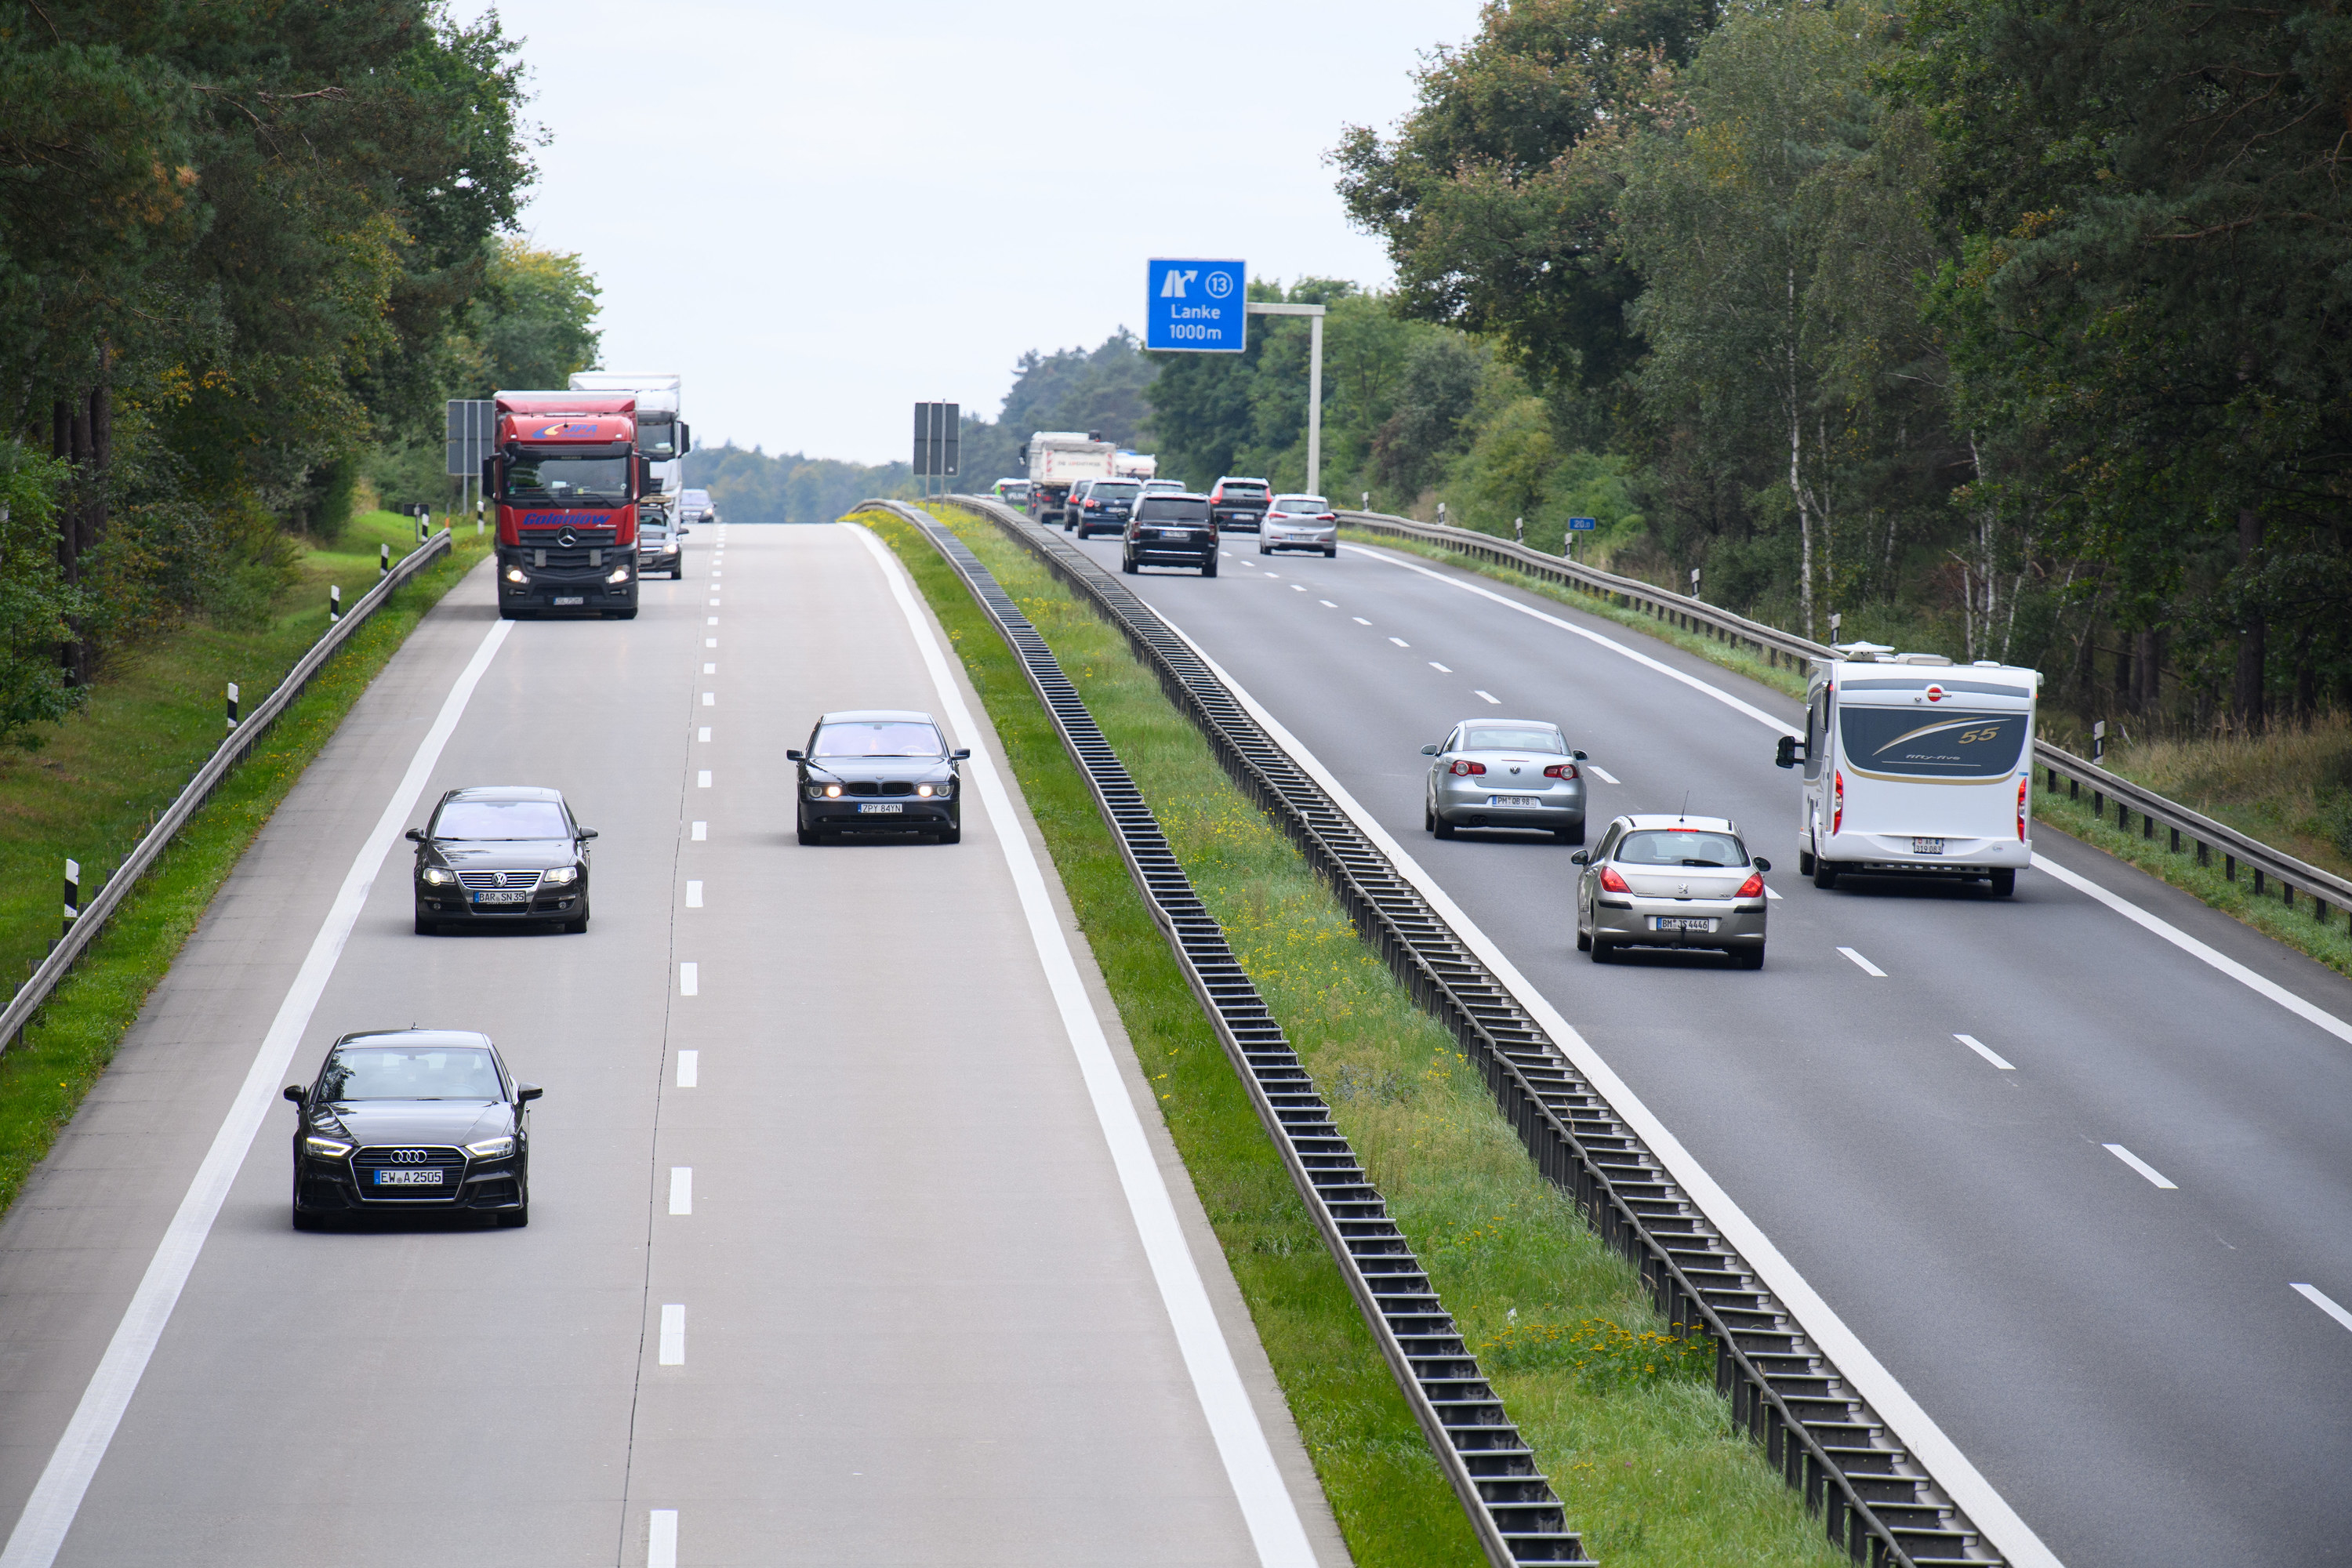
<point x="434" y="877"/>
<point x="514" y="574"/>
<point x="491" y="1148"/>
<point x="561" y="877"/>
<point x="325" y="1148"/>
<point x="831" y="792"/>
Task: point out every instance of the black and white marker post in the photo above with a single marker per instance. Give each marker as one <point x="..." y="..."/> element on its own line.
<point x="232" y="704"/>
<point x="73" y="898"/>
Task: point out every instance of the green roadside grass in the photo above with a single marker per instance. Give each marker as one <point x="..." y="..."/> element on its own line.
<point x="1621" y="1411"/>
<point x="93" y="790"/>
<point x="2273" y="788"/>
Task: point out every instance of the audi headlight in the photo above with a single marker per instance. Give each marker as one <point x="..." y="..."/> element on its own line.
<point x="561" y="877"/>
<point x="514" y="574"/>
<point x="491" y="1148"/>
<point x="433" y="877"/>
<point x="618" y="574"/>
<point x="326" y="1148"/>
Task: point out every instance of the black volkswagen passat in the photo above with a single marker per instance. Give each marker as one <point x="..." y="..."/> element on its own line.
<point x="411" y="1121"/>
<point x="501" y="854"/>
<point x="883" y="768"/>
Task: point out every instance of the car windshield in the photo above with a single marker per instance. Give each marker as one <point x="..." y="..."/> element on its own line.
<point x="1171" y="509"/>
<point x="695" y="498"/>
<point x="1309" y="505"/>
<point x="407" y="1073"/>
<point x="1513" y="738"/>
<point x="1681" y="847"/>
<point x="1113" y="492"/>
<point x="878" y="738"/>
<point x="545" y="480"/>
<point x="501" y="819"/>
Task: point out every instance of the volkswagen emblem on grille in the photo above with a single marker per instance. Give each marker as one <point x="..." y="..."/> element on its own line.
<point x="408" y="1157"/>
<point x="497" y="879"/>
<point x="565" y="537"/>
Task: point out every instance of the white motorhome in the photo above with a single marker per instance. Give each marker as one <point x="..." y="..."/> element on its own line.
<point x="1129" y="465"/>
<point x="1915" y="765"/>
<point x="663" y="437"/>
<point x="1058" y="459"/>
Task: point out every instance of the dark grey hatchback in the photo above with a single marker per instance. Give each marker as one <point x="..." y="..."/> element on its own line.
<point x="501" y="855"/>
<point x="880" y="768"/>
<point x="411" y="1121"/>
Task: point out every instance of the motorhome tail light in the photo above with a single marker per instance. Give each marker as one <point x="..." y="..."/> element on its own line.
<point x="1611" y="883"/>
<point x="1560" y="770"/>
<point x="1837" y="800"/>
<point x="1463" y="767"/>
<point x="2024" y="785"/>
<point x="1753" y="888"/>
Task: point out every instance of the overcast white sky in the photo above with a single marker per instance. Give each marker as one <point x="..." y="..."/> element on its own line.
<point x="753" y="184"/>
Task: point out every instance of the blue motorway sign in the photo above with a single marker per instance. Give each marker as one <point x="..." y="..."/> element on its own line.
<point x="1583" y="522"/>
<point x="1195" y="305"/>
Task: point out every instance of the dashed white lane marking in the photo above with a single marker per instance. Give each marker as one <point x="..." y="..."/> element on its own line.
<point x="710" y="642"/>
<point x="1603" y="775"/>
<point x="703" y="734"/>
<point x="708" y="667"/>
<point x="1771" y="891"/>
<point x="1359" y="620"/>
<point x="1273" y="573"/>
<point x="48" y="1514"/>
<point x="673" y="1334"/>
<point x="1265" y="1500"/>
<point x="1985" y="1051"/>
<point x="1867" y="967"/>
<point x="714" y="603"/>
<point x="702" y="779"/>
<point x="1439" y="668"/>
<point x="661" y="1538"/>
<point x="712" y="621"/>
<point x="2155" y="1176"/>
<point x="689" y="980"/>
<point x="1400" y="642"/>
<point x="694" y="895"/>
<point x="1298" y="587"/>
<point x="2313" y="1294"/>
<point x="681" y="1189"/>
<point x="1489" y="697"/>
<point x="701" y="831"/>
<point x="710" y="699"/>
<point x="689" y="1069"/>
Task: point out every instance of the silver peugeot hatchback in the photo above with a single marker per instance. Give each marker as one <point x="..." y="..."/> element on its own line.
<point x="1504" y="772"/>
<point x="1672" y="881"/>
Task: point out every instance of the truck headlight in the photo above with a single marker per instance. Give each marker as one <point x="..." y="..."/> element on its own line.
<point x="514" y="574"/>
<point x="561" y="877"/>
<point x="433" y="877"/>
<point x="618" y="574"/>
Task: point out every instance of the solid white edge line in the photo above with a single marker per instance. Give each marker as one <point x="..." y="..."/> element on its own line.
<point x="689" y="1069"/>
<point x="1985" y="1051"/>
<point x="681" y="1189"/>
<point x="57" y="1497"/>
<point x="1266" y="1506"/>
<point x="1912" y="1425"/>
<point x="2313" y="1294"/>
<point x="2307" y="1011"/>
<point x="1864" y="965"/>
<point x="2155" y="1176"/>
<point x="661" y="1538"/>
<point x="673" y="1334"/>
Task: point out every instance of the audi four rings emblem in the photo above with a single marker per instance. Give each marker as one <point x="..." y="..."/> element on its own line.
<point x="408" y="1157"/>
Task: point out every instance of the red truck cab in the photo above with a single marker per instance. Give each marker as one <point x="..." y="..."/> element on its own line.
<point x="565" y="479"/>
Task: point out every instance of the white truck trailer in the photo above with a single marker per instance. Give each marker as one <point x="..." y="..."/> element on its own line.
<point x="1058" y="459"/>
<point x="663" y="437"/>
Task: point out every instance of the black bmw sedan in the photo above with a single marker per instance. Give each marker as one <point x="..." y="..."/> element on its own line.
<point x="411" y="1121"/>
<point x="501" y="855"/>
<point x="885" y="768"/>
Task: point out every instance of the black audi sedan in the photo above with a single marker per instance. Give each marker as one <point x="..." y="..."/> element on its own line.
<point x="501" y="855"/>
<point x="886" y="768"/>
<point x="411" y="1121"/>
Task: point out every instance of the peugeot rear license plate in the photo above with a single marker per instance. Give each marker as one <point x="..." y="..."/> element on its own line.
<point x="571" y="599"/>
<point x="503" y="896"/>
<point x="892" y="809"/>
<point x="1513" y="800"/>
<point x="1682" y="923"/>
<point x="1926" y="846"/>
<point x="427" y="1178"/>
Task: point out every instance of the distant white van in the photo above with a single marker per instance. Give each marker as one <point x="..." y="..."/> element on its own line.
<point x="1914" y="765"/>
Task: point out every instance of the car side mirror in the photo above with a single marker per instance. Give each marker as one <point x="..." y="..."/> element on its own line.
<point x="1581" y="858"/>
<point x="525" y="1092"/>
<point x="1761" y="864"/>
<point x="1581" y="756"/>
<point x="587" y="832"/>
<point x="1786" y="757"/>
<point x="1429" y="751"/>
<point x="415" y="835"/>
<point x="294" y="1094"/>
<point x="962" y="753"/>
<point x="793" y="757"/>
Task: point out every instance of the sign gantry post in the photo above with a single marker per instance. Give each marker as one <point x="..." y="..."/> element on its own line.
<point x="939" y="441"/>
<point x="1193" y="306"/>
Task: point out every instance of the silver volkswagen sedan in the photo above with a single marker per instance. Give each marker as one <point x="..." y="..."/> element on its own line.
<point x="1504" y="772"/>
<point x="1672" y="881"/>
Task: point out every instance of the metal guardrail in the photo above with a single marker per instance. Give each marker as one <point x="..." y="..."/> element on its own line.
<point x="208" y="778"/>
<point x="1877" y="1500"/>
<point x="1511" y="1505"/>
<point x="2188" y="831"/>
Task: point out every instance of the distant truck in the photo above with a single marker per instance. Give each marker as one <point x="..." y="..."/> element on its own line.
<point x="1058" y="459"/>
<point x="566" y="480"/>
<point x="663" y="437"/>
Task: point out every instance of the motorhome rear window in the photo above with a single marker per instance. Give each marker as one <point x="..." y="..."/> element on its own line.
<point x="1171" y="509"/>
<point x="1918" y="743"/>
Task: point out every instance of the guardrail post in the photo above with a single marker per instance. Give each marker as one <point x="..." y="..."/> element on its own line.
<point x="232" y="704"/>
<point x="73" y="898"/>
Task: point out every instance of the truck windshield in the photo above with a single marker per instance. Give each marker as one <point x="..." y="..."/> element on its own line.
<point x="544" y="480"/>
<point x="1171" y="509"/>
<point x="1913" y="744"/>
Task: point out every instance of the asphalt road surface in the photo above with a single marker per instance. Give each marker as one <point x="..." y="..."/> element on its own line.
<point x="835" y="1255"/>
<point x="2129" y="1363"/>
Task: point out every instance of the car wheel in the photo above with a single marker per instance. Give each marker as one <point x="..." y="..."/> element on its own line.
<point x="1749" y="957"/>
<point x="305" y="1220"/>
<point x="1442" y="829"/>
<point x="952" y="835"/>
<point x="1263" y="547"/>
<point x="578" y="925"/>
<point x="1208" y="567"/>
<point x="677" y="573"/>
<point x="1583" y="939"/>
<point x="425" y="927"/>
<point x="1602" y="952"/>
<point x="1126" y="565"/>
<point x="506" y="614"/>
<point x="1428" y="818"/>
<point x="1825" y="873"/>
<point x="622" y="615"/>
<point x="514" y="1219"/>
<point x="807" y="833"/>
<point x="1569" y="835"/>
<point x="2004" y="882"/>
<point x="1330" y="552"/>
<point x="1804" y="862"/>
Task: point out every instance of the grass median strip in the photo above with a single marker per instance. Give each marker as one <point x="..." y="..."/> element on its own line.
<point x="129" y="775"/>
<point x="1621" y="1410"/>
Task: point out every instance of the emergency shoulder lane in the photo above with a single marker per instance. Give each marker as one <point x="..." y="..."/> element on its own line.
<point x="1967" y="1221"/>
